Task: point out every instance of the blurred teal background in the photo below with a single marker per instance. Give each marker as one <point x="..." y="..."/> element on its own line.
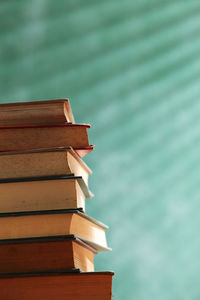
<point x="131" y="69"/>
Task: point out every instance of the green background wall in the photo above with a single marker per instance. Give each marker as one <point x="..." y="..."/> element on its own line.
<point x="131" y="69"/>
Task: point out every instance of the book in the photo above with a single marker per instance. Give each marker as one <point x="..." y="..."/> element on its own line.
<point x="51" y="254"/>
<point x="43" y="193"/>
<point x="36" y="113"/>
<point x="54" y="223"/>
<point x="42" y="162"/>
<point x="44" y="136"/>
<point x="76" y="286"/>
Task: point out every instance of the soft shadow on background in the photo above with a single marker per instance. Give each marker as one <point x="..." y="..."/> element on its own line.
<point x="131" y="69"/>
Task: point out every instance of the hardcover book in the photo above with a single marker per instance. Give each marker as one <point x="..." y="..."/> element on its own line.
<point x="42" y="162"/>
<point x="69" y="286"/>
<point x="43" y="193"/>
<point x="44" y="136"/>
<point x="50" y="254"/>
<point x="36" y="113"/>
<point x="54" y="223"/>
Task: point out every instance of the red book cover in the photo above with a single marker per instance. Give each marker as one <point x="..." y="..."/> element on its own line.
<point x="18" y="138"/>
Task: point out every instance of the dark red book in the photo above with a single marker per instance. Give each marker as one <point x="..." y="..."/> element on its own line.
<point x="63" y="286"/>
<point x="20" y="138"/>
<point x="46" y="254"/>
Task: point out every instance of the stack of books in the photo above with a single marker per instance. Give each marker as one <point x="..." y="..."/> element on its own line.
<point x="47" y="242"/>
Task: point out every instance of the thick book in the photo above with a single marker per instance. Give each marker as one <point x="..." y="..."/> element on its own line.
<point x="42" y="162"/>
<point x="36" y="113"/>
<point x="43" y="193"/>
<point x="50" y="254"/>
<point x="44" y="136"/>
<point x="69" y="286"/>
<point x="54" y="223"/>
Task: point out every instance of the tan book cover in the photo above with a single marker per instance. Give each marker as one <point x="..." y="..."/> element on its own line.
<point x="47" y="224"/>
<point x="43" y="193"/>
<point x="42" y="162"/>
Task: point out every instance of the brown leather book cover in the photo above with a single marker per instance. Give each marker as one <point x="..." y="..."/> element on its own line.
<point x="45" y="136"/>
<point x="63" y="286"/>
<point x="46" y="254"/>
